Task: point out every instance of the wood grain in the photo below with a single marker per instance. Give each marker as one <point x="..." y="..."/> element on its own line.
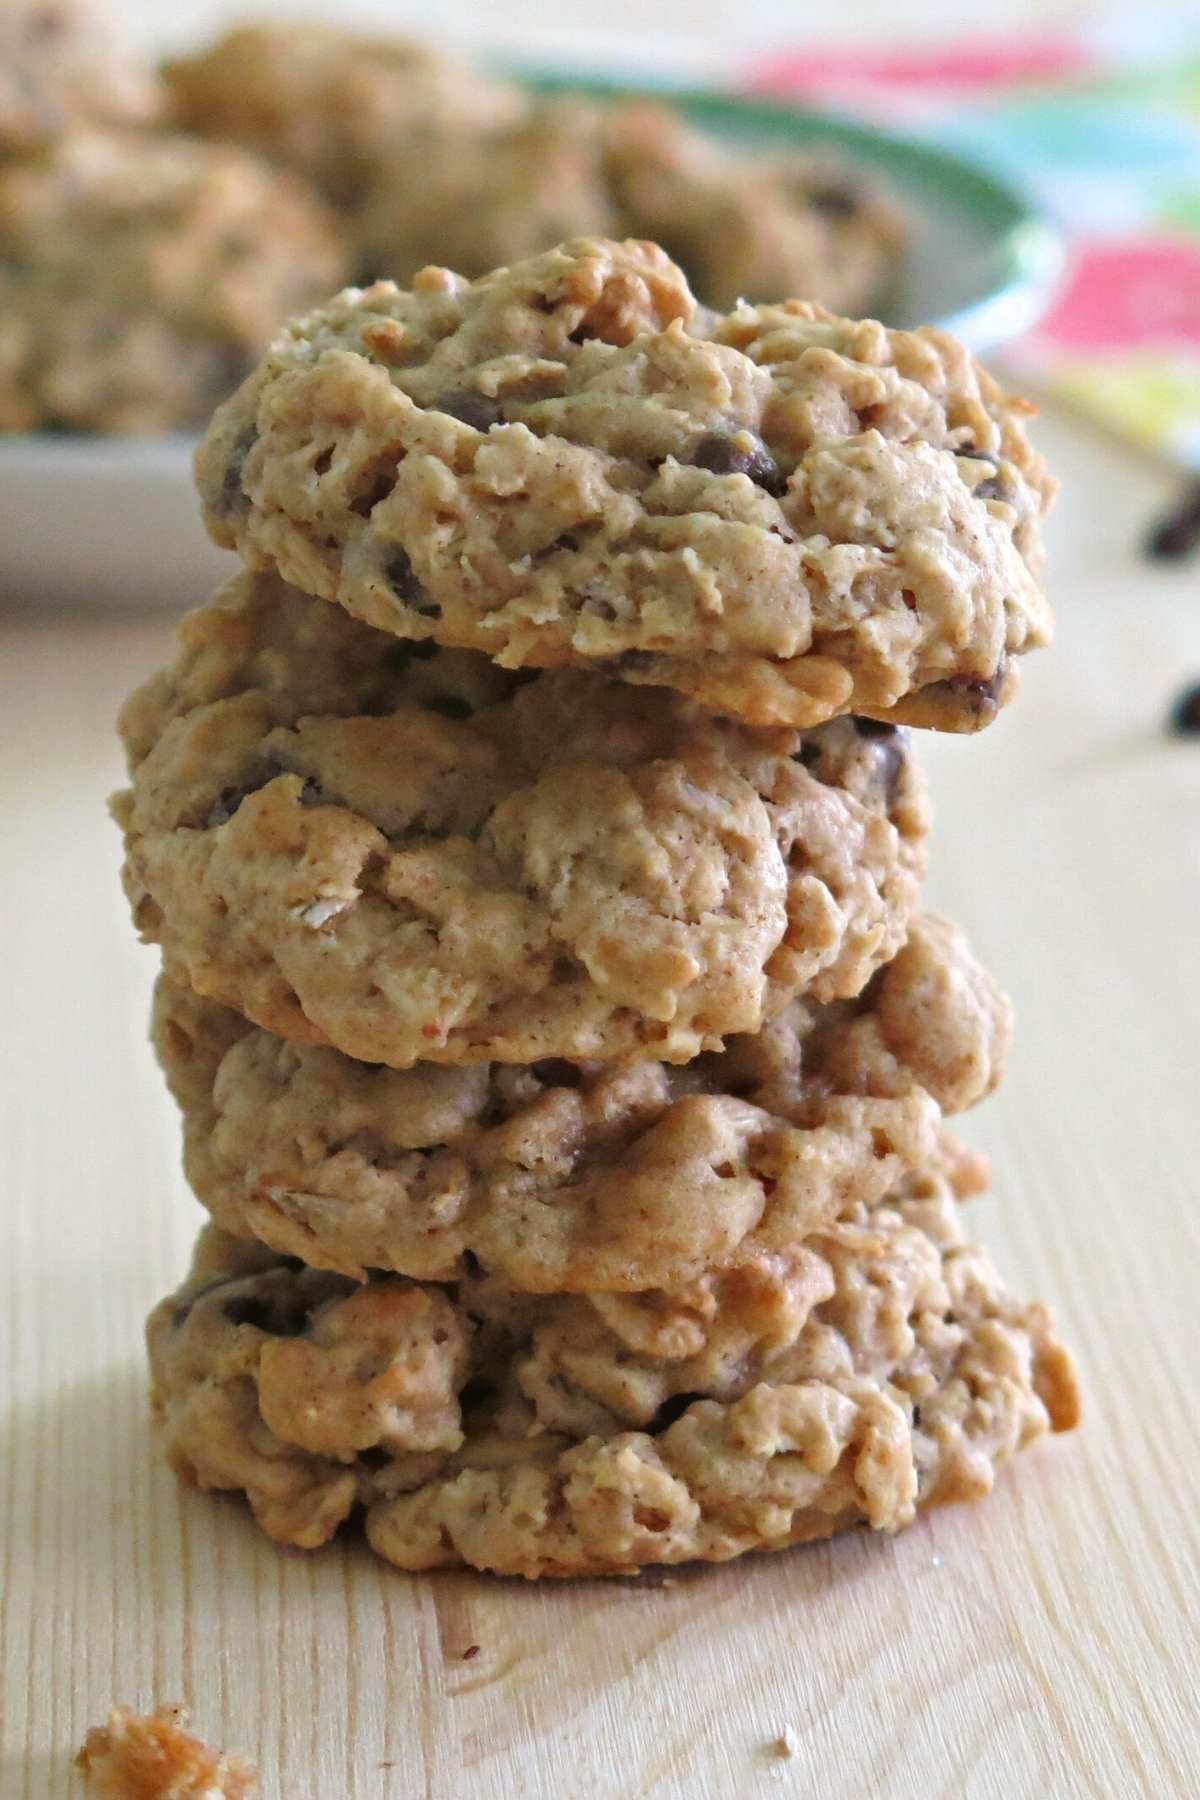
<point x="1042" y="1643"/>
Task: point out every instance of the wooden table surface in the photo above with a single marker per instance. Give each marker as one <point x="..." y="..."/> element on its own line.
<point x="1041" y="1643"/>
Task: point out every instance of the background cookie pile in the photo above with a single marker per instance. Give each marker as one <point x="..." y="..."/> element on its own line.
<point x="157" y="227"/>
<point x="534" y="850"/>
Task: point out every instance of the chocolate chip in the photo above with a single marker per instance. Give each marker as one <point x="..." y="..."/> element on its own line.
<point x="739" y="453"/>
<point x="377" y="489"/>
<point x="889" y="745"/>
<point x="992" y="487"/>
<point x="406" y="587"/>
<point x="988" y="690"/>
<point x="670" y="1410"/>
<point x="399" y="572"/>
<point x="834" y="200"/>
<point x="450" y="706"/>
<point x="232" y="499"/>
<point x="475" y="1393"/>
<point x="184" y="1309"/>
<point x="1185" y="714"/>
<point x="230" y="798"/>
<point x="1178" y="534"/>
<point x="555" y="1071"/>
<point x="978" y="697"/>
<point x="471" y="408"/>
<point x="405" y="651"/>
<point x="374" y="1457"/>
<point x="225" y="805"/>
<point x="890" y="760"/>
<point x="266" y="1313"/>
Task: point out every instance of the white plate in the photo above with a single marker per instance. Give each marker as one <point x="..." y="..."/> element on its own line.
<point x="115" y="521"/>
<point x="103" y="522"/>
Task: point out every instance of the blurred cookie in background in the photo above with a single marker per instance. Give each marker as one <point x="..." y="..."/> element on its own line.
<point x="59" y="69"/>
<point x="477" y="200"/>
<point x="748" y="226"/>
<point x="743" y="225"/>
<point x="329" y="103"/>
<point x="141" y="276"/>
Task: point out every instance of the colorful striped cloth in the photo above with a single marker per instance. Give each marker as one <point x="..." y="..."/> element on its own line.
<point x="1102" y="126"/>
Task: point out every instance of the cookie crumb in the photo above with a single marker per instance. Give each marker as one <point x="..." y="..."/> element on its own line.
<point x="1185" y="714"/>
<point x="1177" y="535"/>
<point x="471" y="1651"/>
<point x="787" y="1743"/>
<point x="153" y="1756"/>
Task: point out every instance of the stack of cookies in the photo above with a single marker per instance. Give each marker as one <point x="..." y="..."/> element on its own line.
<point x="534" y="846"/>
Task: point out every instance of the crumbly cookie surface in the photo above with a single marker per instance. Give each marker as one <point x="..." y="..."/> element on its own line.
<point x="583" y="1178"/>
<point x="784" y="514"/>
<point x="328" y="103"/>
<point x="750" y="227"/>
<point x="877" y="1367"/>
<point x="59" y="71"/>
<point x="140" y="277"/>
<point x="153" y="1756"/>
<point x="417" y="857"/>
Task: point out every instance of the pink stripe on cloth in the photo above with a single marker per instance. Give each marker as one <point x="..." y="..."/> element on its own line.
<point x="1128" y="292"/>
<point x="980" y="63"/>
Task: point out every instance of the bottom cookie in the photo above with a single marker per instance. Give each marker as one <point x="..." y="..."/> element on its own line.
<point x="879" y="1368"/>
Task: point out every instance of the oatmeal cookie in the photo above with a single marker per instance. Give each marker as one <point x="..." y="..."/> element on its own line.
<point x="480" y="199"/>
<point x="746" y="226"/>
<point x="877" y="1367"/>
<point x="153" y="1756"/>
<point x="416" y="857"/>
<point x="785" y="514"/>
<point x="582" y="1177"/>
<point x="140" y="277"/>
<point x="331" y="104"/>
<point x="59" y="72"/>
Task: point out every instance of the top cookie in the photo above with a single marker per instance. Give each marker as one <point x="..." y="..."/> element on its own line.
<point x="784" y="514"/>
<point x="141" y="275"/>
